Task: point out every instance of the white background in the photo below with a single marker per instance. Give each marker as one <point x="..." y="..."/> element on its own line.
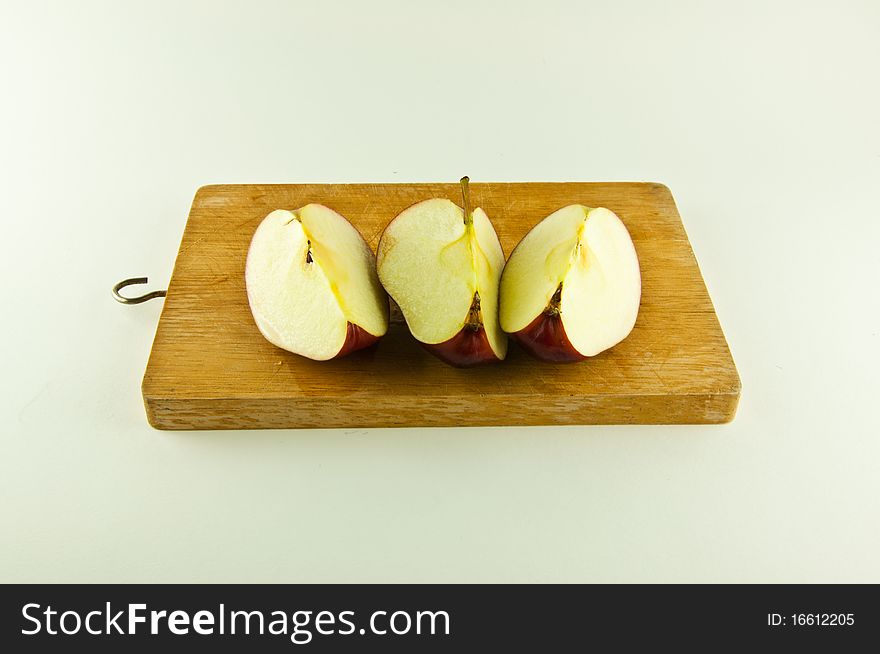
<point x="764" y="120"/>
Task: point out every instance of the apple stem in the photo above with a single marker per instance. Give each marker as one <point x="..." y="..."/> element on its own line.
<point x="309" y="252"/>
<point x="466" y="199"/>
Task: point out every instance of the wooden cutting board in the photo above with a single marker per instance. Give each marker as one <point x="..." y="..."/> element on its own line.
<point x="211" y="369"/>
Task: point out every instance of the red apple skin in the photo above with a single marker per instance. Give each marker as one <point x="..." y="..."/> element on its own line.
<point x="545" y="339"/>
<point x="469" y="347"/>
<point x="356" y="338"/>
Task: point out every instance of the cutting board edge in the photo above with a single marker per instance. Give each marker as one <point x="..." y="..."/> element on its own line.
<point x="659" y="186"/>
<point x="175" y="413"/>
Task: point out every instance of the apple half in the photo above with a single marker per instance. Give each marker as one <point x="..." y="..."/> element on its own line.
<point x="312" y="284"/>
<point x="572" y="286"/>
<point x="442" y="265"/>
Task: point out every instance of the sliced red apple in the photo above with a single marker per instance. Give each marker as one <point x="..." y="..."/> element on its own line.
<point x="442" y="266"/>
<point x="312" y="284"/>
<point x="571" y="288"/>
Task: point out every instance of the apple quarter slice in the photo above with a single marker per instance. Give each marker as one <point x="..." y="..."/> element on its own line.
<point x="571" y="288"/>
<point x="312" y="284"/>
<point x="443" y="267"/>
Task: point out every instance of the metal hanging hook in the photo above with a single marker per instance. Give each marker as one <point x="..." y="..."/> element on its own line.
<point x="134" y="300"/>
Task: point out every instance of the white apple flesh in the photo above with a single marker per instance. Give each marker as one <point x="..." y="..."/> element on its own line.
<point x="571" y="288"/>
<point x="312" y="284"/>
<point x="443" y="268"/>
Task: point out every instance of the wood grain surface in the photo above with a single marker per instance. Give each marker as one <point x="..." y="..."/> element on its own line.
<point x="211" y="369"/>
